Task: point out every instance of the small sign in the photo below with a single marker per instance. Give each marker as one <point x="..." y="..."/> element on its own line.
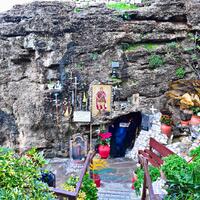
<point x="82" y="116"/>
<point x="115" y="64"/>
<point x="124" y="125"/>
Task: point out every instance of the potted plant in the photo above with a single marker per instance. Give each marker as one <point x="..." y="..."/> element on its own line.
<point x="96" y="167"/>
<point x="166" y="124"/>
<point x="195" y="120"/>
<point x="104" y="144"/>
<point x="185" y="94"/>
<point x="185" y="116"/>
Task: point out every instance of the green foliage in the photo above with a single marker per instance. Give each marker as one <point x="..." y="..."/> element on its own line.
<point x="172" y="45"/>
<point x="94" y="56"/>
<point x="195" y="110"/>
<point x="153" y="172"/>
<point x="121" y="6"/>
<point x="126" y="16"/>
<point x="77" y="10"/>
<point x="116" y="81"/>
<point x="134" y="47"/>
<point x="180" y="72"/>
<point x="79" y="65"/>
<point x="150" y="46"/>
<point x="195" y="152"/>
<point x="183" y="179"/>
<point x="88" y="186"/>
<point x="20" y="175"/>
<point x="165" y="119"/>
<point x="194" y="37"/>
<point x="139" y="182"/>
<point x="155" y="61"/>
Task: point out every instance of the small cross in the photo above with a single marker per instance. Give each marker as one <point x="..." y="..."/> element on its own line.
<point x="56" y="99"/>
<point x="153" y="109"/>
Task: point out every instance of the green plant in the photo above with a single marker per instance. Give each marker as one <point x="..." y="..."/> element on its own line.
<point x="195" y="110"/>
<point x="121" y="6"/>
<point x="155" y="61"/>
<point x="94" y="56"/>
<point x="140" y="178"/>
<point x="172" y="45"/>
<point x="180" y="72"/>
<point x="88" y="189"/>
<point x="77" y="10"/>
<point x="126" y="16"/>
<point x="150" y="46"/>
<point x="133" y="47"/>
<point x="20" y="174"/>
<point x="183" y="180"/>
<point x="104" y="138"/>
<point x="165" y="119"/>
<point x="153" y="172"/>
<point x="79" y="65"/>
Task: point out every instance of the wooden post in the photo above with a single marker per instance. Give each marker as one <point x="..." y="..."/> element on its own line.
<point x="90" y="136"/>
<point x="75" y="93"/>
<point x="144" y="190"/>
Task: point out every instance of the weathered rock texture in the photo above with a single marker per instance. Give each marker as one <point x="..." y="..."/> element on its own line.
<point x="38" y="38"/>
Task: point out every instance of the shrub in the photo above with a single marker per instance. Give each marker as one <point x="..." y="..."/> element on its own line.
<point x="20" y="176"/>
<point x="180" y="72"/>
<point x="153" y="172"/>
<point x="155" y="61"/>
<point x="88" y="190"/>
<point x="183" y="179"/>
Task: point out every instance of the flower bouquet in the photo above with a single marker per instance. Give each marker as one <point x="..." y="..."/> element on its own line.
<point x="104" y="144"/>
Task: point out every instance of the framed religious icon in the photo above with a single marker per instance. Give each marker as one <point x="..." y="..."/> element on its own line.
<point x="101" y="99"/>
<point x="78" y="147"/>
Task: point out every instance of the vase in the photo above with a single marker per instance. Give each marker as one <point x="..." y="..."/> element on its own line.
<point x="185" y="123"/>
<point x="195" y="120"/>
<point x="97" y="180"/>
<point x="104" y="151"/>
<point x="165" y="129"/>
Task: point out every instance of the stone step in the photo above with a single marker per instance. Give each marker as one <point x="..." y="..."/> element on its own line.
<point x="117" y="191"/>
<point x="117" y="195"/>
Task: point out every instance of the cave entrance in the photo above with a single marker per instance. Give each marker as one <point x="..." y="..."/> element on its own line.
<point x="124" y="130"/>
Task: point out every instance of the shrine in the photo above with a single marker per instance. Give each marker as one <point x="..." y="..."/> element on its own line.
<point x="100" y="100"/>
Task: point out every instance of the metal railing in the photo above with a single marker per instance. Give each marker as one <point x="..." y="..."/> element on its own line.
<point x="147" y="184"/>
<point x="61" y="194"/>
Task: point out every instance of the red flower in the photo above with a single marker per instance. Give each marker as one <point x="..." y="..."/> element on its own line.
<point x="105" y="136"/>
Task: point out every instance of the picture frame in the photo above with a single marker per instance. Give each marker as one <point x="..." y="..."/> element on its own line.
<point x="101" y="99"/>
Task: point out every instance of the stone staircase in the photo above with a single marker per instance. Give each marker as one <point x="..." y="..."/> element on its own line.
<point x="116" y="181"/>
<point x="111" y="192"/>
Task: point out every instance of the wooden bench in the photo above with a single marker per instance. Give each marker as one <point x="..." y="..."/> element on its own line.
<point x="155" y="153"/>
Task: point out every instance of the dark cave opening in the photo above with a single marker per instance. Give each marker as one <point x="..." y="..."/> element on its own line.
<point x="124" y="131"/>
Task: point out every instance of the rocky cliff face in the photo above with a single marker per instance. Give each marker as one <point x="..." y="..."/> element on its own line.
<point x="45" y="39"/>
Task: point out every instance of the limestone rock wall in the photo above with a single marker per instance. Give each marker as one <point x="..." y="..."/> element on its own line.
<point x="37" y="38"/>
